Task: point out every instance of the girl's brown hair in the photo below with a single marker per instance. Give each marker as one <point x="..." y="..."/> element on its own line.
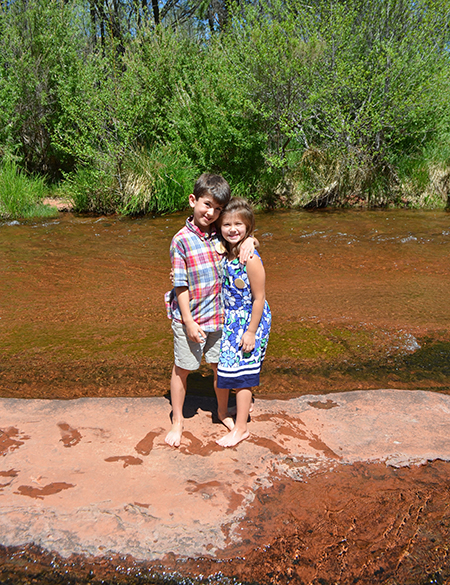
<point x="245" y="212"/>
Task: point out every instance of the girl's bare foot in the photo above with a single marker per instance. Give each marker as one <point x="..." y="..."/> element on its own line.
<point x="226" y="420"/>
<point x="173" y="437"/>
<point x="233" y="438"/>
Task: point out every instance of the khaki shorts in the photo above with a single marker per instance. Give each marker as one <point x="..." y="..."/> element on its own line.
<point x="188" y="354"/>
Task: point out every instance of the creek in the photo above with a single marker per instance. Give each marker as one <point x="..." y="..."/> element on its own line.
<point x="360" y="300"/>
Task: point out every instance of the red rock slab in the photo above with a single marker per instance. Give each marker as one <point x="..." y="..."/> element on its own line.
<point x="60" y="204"/>
<point x="94" y="476"/>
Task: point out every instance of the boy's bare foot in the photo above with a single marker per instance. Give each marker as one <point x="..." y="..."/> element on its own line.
<point x="226" y="420"/>
<point x="233" y="438"/>
<point x="173" y="437"/>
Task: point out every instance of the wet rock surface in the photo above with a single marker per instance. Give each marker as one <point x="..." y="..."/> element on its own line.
<point x="348" y="487"/>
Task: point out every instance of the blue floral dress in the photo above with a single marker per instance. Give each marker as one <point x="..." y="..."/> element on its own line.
<point x="237" y="369"/>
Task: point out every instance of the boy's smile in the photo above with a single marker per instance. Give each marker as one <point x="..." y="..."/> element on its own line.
<point x="206" y="210"/>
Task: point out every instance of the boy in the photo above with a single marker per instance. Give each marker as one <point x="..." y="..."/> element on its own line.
<point x="194" y="304"/>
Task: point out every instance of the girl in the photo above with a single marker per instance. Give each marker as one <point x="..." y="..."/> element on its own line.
<point x="247" y="317"/>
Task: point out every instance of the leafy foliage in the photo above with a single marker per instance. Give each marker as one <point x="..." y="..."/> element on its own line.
<point x="318" y="103"/>
<point x="356" y="82"/>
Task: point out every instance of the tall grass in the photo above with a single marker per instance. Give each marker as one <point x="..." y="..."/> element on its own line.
<point x="92" y="190"/>
<point x="325" y="178"/>
<point x="157" y="180"/>
<point x="21" y="196"/>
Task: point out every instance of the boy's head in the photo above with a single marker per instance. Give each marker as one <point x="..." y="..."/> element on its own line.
<point x="211" y="194"/>
<point x="214" y="185"/>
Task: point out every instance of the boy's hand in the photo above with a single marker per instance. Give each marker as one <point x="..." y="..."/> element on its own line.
<point x="195" y="332"/>
<point x="247" y="249"/>
<point x="247" y="341"/>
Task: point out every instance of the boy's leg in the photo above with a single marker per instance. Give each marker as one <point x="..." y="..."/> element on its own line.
<point x="178" y="383"/>
<point x="240" y="431"/>
<point x="188" y="354"/>
<point x="222" y="395"/>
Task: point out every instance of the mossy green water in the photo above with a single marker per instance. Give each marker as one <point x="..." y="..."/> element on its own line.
<point x="78" y="340"/>
<point x="305" y="343"/>
<point x="127" y="359"/>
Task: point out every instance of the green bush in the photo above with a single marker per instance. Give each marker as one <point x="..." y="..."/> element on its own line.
<point x="343" y="103"/>
<point x="152" y="181"/>
<point x="343" y="89"/>
<point x="92" y="190"/>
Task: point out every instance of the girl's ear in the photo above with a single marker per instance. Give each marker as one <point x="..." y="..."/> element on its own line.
<point x="192" y="200"/>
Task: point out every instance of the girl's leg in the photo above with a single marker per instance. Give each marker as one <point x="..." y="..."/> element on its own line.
<point x="240" y="431"/>
<point x="178" y="383"/>
<point x="222" y="395"/>
<point x="233" y="409"/>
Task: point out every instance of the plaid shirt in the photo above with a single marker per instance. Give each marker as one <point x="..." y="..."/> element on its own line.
<point x="196" y="264"/>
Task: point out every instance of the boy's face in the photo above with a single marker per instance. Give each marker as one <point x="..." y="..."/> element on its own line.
<point x="206" y="210"/>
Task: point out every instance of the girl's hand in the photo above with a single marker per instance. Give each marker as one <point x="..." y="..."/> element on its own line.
<point x="247" y="341"/>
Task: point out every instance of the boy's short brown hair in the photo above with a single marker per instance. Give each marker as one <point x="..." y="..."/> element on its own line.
<point x="214" y="185"/>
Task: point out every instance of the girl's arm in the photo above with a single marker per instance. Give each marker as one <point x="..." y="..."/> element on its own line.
<point x="257" y="277"/>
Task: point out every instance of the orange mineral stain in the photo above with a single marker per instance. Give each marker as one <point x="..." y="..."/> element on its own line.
<point x="69" y="436"/>
<point x="40" y="493"/>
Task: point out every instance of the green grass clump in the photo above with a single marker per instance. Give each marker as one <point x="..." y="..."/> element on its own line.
<point x="21" y="196"/>
<point x="157" y="180"/>
<point x="92" y="190"/>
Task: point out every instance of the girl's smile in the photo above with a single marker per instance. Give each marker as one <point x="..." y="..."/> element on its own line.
<point x="233" y="228"/>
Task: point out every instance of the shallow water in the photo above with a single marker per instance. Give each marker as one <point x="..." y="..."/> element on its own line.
<point x="359" y="301"/>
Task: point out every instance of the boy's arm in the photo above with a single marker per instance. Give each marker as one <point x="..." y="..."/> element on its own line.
<point x="194" y="331"/>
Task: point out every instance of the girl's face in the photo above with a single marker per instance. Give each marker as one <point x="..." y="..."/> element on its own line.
<point x="233" y="228"/>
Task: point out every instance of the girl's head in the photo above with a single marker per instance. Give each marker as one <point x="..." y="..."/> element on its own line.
<point x="237" y="223"/>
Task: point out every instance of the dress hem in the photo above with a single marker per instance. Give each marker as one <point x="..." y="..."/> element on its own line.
<point x="238" y="382"/>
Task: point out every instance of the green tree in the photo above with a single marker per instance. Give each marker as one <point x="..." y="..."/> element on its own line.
<point x="345" y="85"/>
<point x="39" y="41"/>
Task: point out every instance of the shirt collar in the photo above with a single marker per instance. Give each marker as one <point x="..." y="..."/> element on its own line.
<point x="204" y="235"/>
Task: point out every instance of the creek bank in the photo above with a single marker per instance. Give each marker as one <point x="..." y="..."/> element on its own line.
<point x="63" y="205"/>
